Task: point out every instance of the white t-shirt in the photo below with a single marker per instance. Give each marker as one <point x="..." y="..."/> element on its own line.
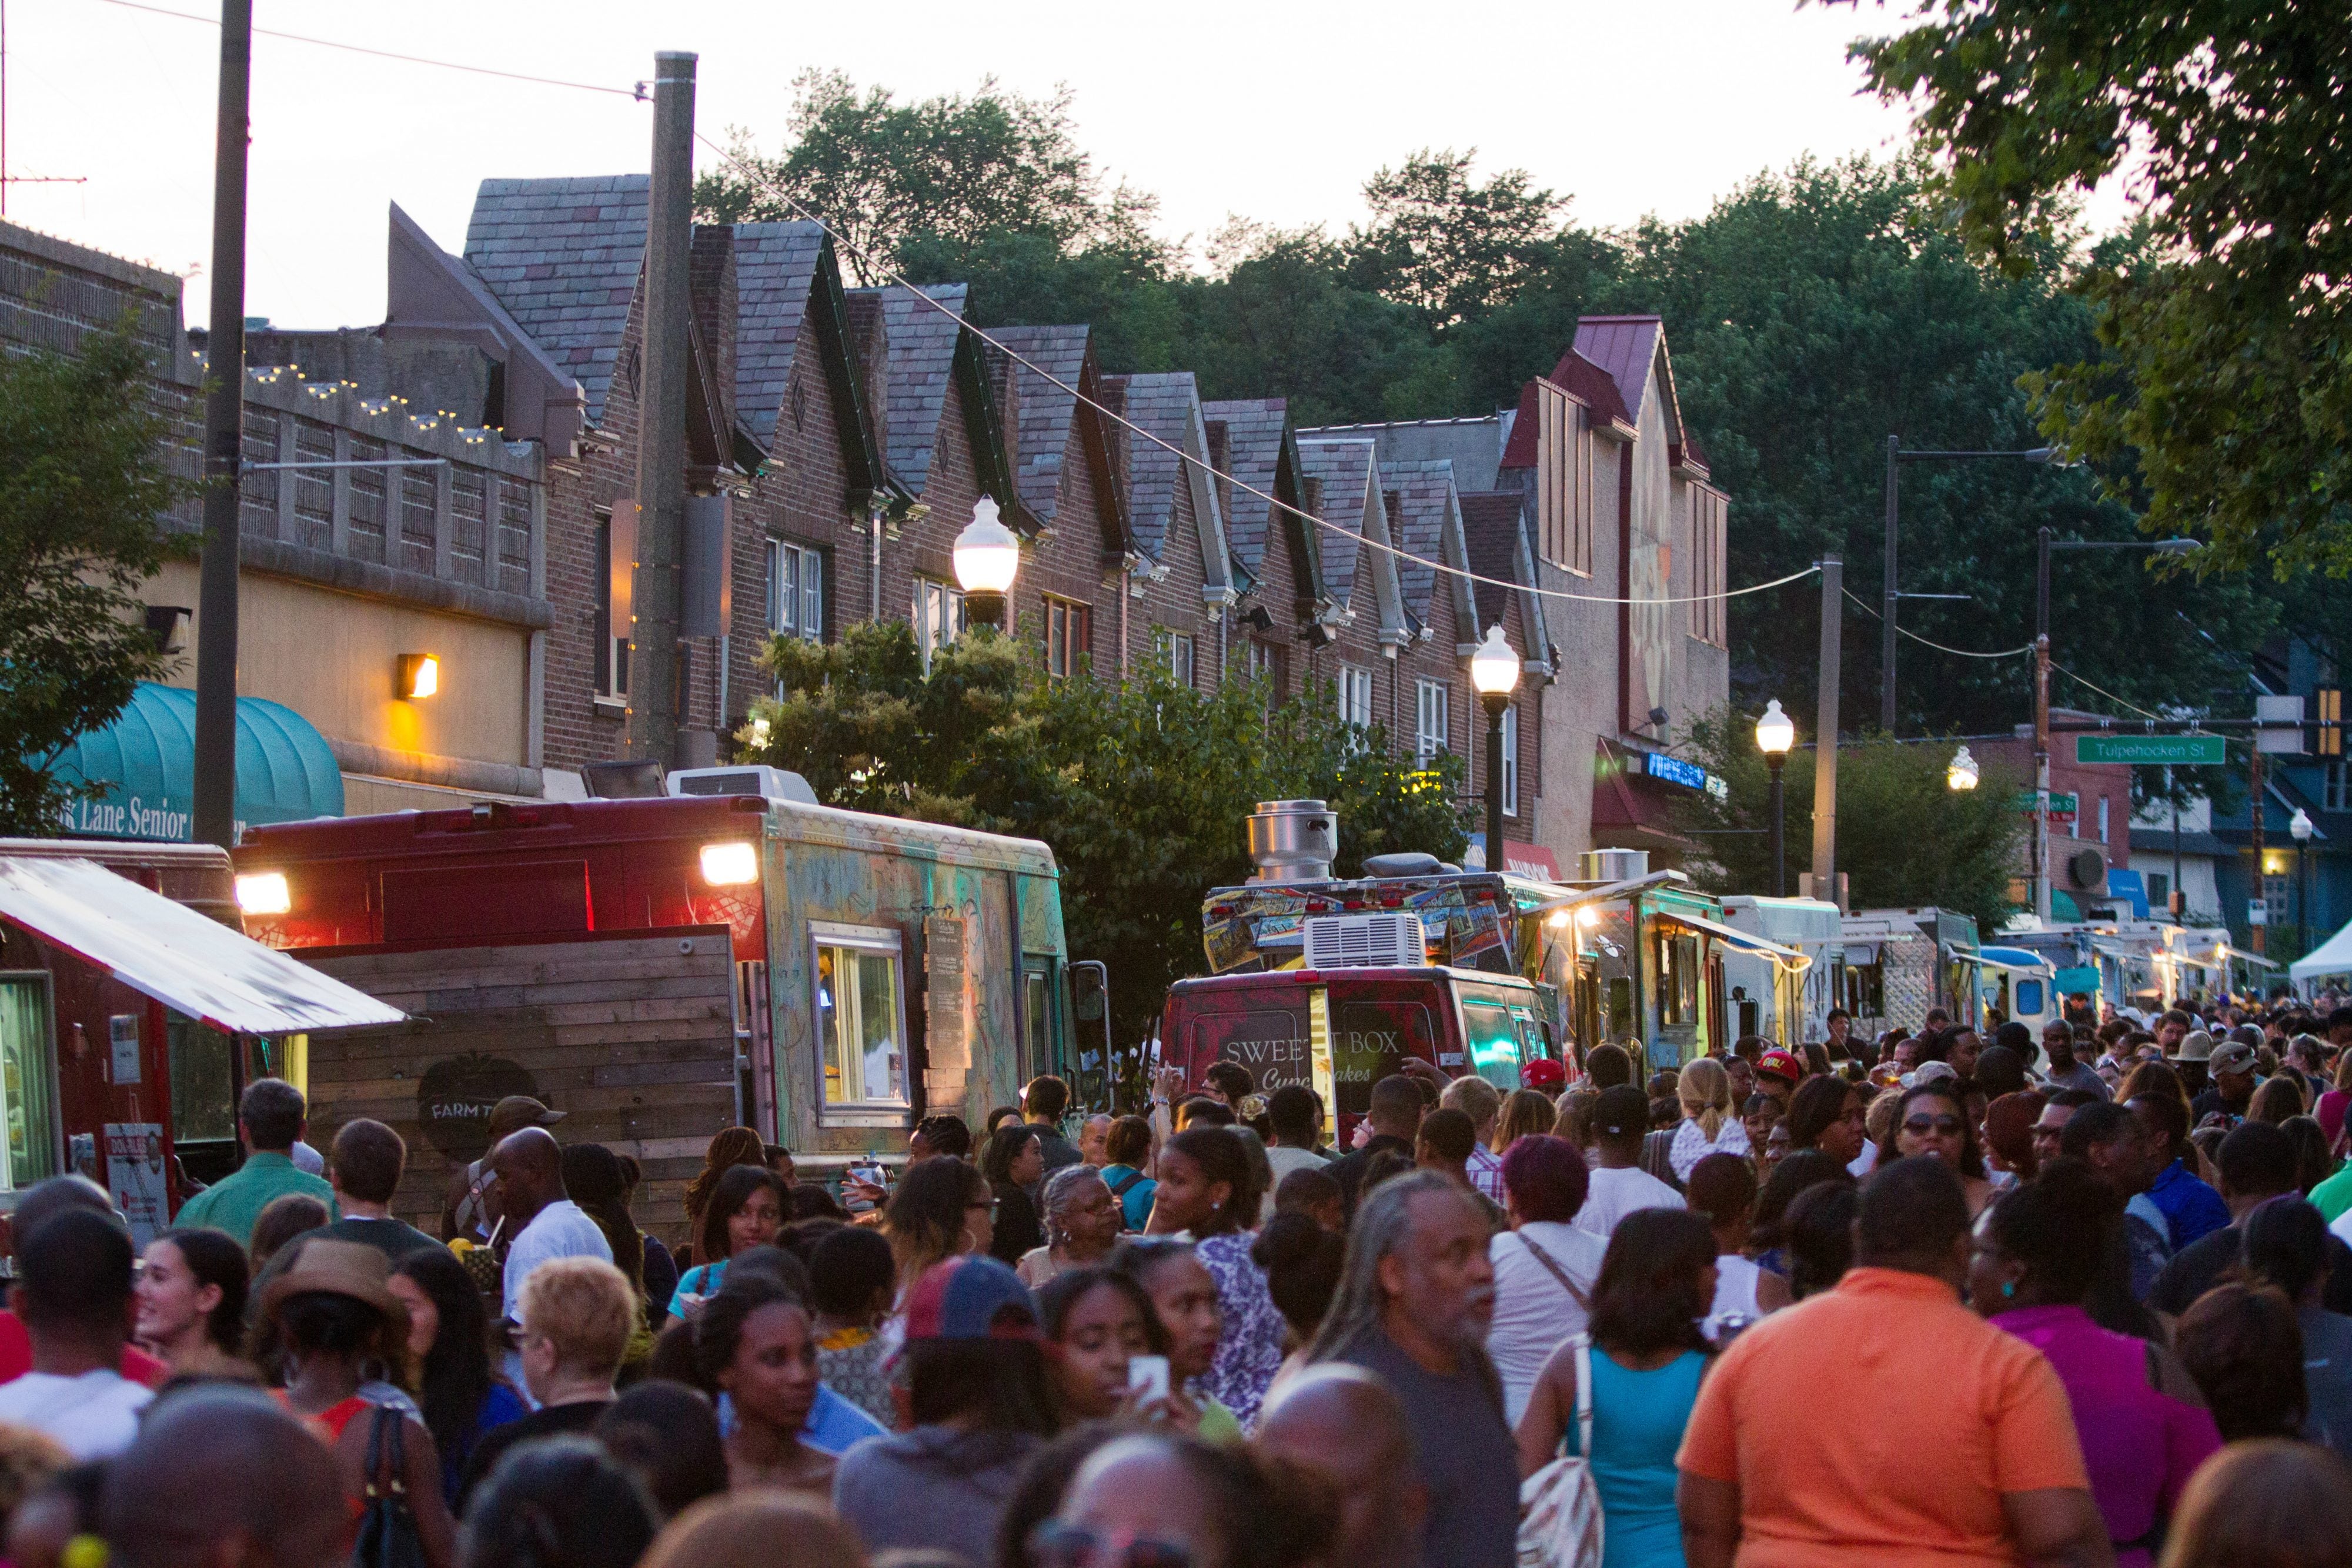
<point x="1285" y="1160"/>
<point x="1616" y="1193"/>
<point x="561" y="1229"/>
<point x="1534" y="1313"/>
<point x="1735" y="1288"/>
<point x="93" y="1417"/>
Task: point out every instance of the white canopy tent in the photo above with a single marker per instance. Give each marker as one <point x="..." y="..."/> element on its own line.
<point x="2333" y="956"/>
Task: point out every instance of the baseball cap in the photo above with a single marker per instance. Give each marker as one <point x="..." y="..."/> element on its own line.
<point x="516" y="1112"/>
<point x="1781" y="1065"/>
<point x="1931" y="1072"/>
<point x="1543" y="1073"/>
<point x="2237" y="1056"/>
<point x="2196" y="1046"/>
<point x="1621" y="1109"/>
<point x="973" y="1297"/>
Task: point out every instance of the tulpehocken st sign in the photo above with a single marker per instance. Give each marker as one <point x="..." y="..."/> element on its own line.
<point x="2152" y="750"/>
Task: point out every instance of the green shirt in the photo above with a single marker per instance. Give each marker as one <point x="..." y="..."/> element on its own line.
<point x="235" y="1202"/>
<point x="2334" y="1195"/>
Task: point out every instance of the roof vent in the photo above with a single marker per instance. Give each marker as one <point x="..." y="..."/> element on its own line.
<point x="1293" y="841"/>
<point x="1386" y="941"/>
<point x="769" y="783"/>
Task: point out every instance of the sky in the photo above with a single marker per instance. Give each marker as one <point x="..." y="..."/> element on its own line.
<point x="1275" y="112"/>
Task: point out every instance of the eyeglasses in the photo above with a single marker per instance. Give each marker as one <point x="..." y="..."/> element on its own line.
<point x="1057" y="1545"/>
<point x="1944" y="1126"/>
<point x="988" y="1207"/>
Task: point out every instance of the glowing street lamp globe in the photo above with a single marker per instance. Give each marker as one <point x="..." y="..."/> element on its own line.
<point x="1775" y="734"/>
<point x="1495" y="667"/>
<point x="1962" y="773"/>
<point x="987" y="557"/>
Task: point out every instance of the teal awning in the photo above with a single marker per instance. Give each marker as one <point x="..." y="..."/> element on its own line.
<point x="147" y="761"/>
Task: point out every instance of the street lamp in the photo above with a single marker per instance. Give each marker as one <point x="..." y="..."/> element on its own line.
<point x="2299" y="827"/>
<point x="1495" y="673"/>
<point x="1891" y="601"/>
<point x="987" y="557"/>
<point x="1962" y="774"/>
<point x="1774" y="735"/>
<point x="2050" y="541"/>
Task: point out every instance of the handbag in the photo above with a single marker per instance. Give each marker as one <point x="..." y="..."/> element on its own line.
<point x="387" y="1535"/>
<point x="1560" y="1505"/>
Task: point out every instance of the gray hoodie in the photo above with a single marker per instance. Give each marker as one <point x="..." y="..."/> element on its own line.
<point x="934" y="1487"/>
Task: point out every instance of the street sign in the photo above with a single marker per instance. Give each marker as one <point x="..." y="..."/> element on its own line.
<point x="2059" y="805"/>
<point x="2178" y="751"/>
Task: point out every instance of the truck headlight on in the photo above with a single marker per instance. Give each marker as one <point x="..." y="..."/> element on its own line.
<point x="730" y="864"/>
<point x="264" y="892"/>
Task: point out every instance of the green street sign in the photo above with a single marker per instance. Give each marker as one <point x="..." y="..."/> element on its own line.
<point x="2059" y="805"/>
<point x="2179" y="750"/>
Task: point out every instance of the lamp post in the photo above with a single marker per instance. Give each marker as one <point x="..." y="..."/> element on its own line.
<point x="1890" y="599"/>
<point x="2299" y="828"/>
<point x="2049" y="541"/>
<point x="1774" y="735"/>
<point x="1962" y="773"/>
<point x="1495" y="673"/>
<point x="987" y="557"/>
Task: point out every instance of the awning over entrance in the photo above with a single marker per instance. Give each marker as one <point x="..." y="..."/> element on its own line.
<point x="204" y="970"/>
<point x="147" y="761"/>
<point x="1747" y="941"/>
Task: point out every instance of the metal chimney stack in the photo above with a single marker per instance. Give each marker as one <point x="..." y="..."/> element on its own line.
<point x="1293" y="841"/>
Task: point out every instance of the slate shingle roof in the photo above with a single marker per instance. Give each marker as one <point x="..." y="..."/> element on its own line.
<point x="1046" y="411"/>
<point x="1425" y="500"/>
<point x="1345" y="469"/>
<point x="562" y="257"/>
<point x="1254" y="448"/>
<point x="1165" y="403"/>
<point x="922" y="358"/>
<point x="1490" y="537"/>
<point x="776" y="267"/>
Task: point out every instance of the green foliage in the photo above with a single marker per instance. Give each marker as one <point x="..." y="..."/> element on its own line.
<point x="1142" y="789"/>
<point x="2224" y="323"/>
<point x="83" y="490"/>
<point x="1904" y="839"/>
<point x="1445" y="244"/>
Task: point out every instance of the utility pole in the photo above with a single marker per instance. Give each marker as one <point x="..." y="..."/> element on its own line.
<point x="2262" y="884"/>
<point x="1889" y="600"/>
<point x="215" y="810"/>
<point x="654" y="697"/>
<point x="2175" y="902"/>
<point x="1825" y="733"/>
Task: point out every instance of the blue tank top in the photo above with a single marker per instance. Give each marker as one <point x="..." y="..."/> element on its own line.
<point x="1637" y="1424"/>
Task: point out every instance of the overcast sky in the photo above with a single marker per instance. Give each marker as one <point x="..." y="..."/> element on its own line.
<point x="1271" y="111"/>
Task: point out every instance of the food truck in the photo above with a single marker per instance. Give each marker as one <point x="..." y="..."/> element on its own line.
<point x="882" y="968"/>
<point x="1785" y="1000"/>
<point x="1901" y="962"/>
<point x="133" y="1011"/>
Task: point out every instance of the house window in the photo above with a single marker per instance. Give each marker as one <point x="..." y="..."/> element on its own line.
<point x="938" y="616"/>
<point x="612" y="647"/>
<point x="1511" y="761"/>
<point x="1430" y="717"/>
<point x="1069" y="627"/>
<point x="28" y="1136"/>
<point x="2336" y="787"/>
<point x="795" y="591"/>
<point x="2277" y="898"/>
<point x="1356" y="696"/>
<point x="2103" y="818"/>
<point x="1563" y="479"/>
<point x="1174" y="650"/>
<point x="2159" y="890"/>
<point x="1267" y="663"/>
<point x="860" y="1034"/>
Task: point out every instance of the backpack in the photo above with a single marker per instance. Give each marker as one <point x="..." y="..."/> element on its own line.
<point x="388" y="1536"/>
<point x="1560" y="1505"/>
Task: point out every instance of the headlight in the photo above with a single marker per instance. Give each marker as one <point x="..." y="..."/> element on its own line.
<point x="264" y="892"/>
<point x="730" y="865"/>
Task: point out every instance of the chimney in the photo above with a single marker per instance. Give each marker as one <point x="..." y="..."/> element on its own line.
<point x="656" y="700"/>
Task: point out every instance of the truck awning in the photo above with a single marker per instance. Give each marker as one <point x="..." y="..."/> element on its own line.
<point x="197" y="965"/>
<point x="1747" y="941"/>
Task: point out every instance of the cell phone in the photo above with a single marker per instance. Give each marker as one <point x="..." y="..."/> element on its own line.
<point x="1148" y="1374"/>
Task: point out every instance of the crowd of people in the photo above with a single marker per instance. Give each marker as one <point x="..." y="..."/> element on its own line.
<point x="2085" y="1299"/>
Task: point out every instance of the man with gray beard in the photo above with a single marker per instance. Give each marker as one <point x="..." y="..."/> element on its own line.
<point x="1414" y="1302"/>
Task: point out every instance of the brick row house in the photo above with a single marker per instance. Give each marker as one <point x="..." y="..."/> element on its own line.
<point x="838" y="439"/>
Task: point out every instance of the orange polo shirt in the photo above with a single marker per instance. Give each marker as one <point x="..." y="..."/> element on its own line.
<point x="1880" y="1422"/>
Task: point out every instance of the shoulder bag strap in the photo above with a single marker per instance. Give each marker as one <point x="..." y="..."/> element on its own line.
<point x="1558" y="1272"/>
<point x="1125" y="1182"/>
<point x="1583" y="1343"/>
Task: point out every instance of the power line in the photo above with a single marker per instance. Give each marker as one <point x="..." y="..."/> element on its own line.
<point x="2107" y="694"/>
<point x="1872" y="611"/>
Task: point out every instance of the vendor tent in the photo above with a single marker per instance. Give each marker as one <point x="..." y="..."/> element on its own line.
<point x="2333" y="956"/>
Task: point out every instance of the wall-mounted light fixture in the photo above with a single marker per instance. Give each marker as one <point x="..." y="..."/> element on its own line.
<point x="419" y="676"/>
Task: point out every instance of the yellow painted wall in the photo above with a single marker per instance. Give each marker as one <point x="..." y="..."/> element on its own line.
<point x="330" y="657"/>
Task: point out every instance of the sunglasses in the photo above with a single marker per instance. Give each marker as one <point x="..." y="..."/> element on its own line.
<point x="1056" y="1545"/>
<point x="1947" y="1126"/>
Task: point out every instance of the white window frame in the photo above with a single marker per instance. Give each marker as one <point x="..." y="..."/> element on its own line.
<point x="1356" y="696"/>
<point x="2103" y="818"/>
<point x="795" y="591"/>
<point x="869" y="1111"/>
<point x="44" y="1105"/>
<point x="1175" y="651"/>
<point x="1511" y="761"/>
<point x="1433" y="719"/>
<point x="938" y="616"/>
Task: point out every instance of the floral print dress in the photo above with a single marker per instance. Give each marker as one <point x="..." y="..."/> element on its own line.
<point x="1249" y="1353"/>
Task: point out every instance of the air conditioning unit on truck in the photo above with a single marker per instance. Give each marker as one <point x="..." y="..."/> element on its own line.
<point x="661" y="968"/>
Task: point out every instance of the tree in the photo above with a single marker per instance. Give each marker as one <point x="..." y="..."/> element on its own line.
<point x="1140" y="788"/>
<point x="2228" y="362"/>
<point x="84" y="487"/>
<point x="1906" y="840"/>
<point x="1448" y="247"/>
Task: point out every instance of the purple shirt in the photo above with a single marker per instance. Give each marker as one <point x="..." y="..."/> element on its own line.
<point x="2139" y="1444"/>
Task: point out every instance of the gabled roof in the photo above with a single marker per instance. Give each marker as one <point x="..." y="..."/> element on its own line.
<point x="1046" y="411"/>
<point x="428" y="289"/>
<point x="922" y="359"/>
<point x="1168" y="404"/>
<point x="562" y="257"/>
<point x="1345" y="471"/>
<point x="1495" y="538"/>
<point x="775" y="266"/>
<point x="1254" y="432"/>
<point x="1427" y="518"/>
<point x="1626" y="348"/>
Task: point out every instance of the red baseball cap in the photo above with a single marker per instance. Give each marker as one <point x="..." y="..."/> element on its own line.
<point x="1781" y="1065"/>
<point x="1543" y="1073"/>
